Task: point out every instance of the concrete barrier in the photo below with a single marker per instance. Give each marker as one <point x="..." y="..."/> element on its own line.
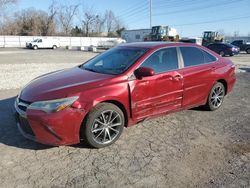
<point x="20" y="41"/>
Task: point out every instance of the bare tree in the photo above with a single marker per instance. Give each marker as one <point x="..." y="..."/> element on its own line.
<point x="4" y="3"/>
<point x="88" y="21"/>
<point x="30" y="22"/>
<point x="110" y="20"/>
<point x="114" y="25"/>
<point x="99" y="24"/>
<point x="49" y="26"/>
<point x="66" y="16"/>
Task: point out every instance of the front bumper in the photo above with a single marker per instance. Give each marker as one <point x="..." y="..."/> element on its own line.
<point x="60" y="128"/>
<point x="235" y="52"/>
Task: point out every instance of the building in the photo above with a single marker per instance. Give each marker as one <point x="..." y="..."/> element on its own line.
<point x="135" y="35"/>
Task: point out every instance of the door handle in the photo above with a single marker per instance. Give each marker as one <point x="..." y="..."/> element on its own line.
<point x="213" y="68"/>
<point x="177" y="77"/>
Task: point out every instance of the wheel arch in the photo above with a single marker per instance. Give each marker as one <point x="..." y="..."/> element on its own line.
<point x="224" y="82"/>
<point x="114" y="102"/>
<point x="121" y="106"/>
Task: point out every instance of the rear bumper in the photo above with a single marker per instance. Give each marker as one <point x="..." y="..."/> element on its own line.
<point x="60" y="128"/>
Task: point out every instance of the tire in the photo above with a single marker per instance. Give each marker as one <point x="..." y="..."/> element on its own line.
<point x="222" y="53"/>
<point x="35" y="47"/>
<point x="248" y="50"/>
<point x="54" y="47"/>
<point x="103" y="125"/>
<point x="216" y="97"/>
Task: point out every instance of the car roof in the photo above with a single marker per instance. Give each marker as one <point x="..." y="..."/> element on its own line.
<point x="156" y="44"/>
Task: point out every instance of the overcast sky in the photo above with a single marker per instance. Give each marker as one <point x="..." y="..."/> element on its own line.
<point x="189" y="17"/>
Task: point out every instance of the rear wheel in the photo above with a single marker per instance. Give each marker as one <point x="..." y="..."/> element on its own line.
<point x="222" y="53"/>
<point x="103" y="125"/>
<point x="216" y="97"/>
<point x="54" y="47"/>
<point x="248" y="50"/>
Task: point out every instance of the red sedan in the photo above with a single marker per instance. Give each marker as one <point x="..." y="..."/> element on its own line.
<point x="121" y="87"/>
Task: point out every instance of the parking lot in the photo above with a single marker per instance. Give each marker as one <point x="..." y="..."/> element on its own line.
<point x="192" y="148"/>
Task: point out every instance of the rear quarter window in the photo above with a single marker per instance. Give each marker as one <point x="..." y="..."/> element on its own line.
<point x="193" y="56"/>
<point x="208" y="58"/>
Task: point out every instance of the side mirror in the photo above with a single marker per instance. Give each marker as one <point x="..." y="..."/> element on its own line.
<point x="144" y="72"/>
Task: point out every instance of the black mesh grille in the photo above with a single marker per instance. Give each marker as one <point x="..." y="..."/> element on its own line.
<point x="25" y="102"/>
<point x="24" y="124"/>
<point x="21" y="107"/>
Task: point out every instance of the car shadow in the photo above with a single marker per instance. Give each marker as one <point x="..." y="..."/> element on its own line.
<point x="245" y="69"/>
<point x="9" y="134"/>
<point x="199" y="108"/>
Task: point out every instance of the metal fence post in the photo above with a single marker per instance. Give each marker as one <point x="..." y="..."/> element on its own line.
<point x="4" y="41"/>
<point x="19" y="41"/>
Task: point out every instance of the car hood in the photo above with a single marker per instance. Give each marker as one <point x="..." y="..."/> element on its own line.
<point x="61" y="84"/>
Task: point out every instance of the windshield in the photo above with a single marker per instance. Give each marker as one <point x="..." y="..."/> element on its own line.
<point x="114" y="61"/>
<point x="36" y="40"/>
<point x="154" y="30"/>
<point x="229" y="45"/>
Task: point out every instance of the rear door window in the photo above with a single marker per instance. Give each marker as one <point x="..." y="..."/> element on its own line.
<point x="208" y="58"/>
<point x="193" y="56"/>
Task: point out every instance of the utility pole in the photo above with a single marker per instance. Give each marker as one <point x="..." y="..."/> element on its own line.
<point x="150" y="14"/>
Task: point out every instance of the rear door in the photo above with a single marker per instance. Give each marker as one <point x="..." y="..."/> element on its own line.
<point x="197" y="73"/>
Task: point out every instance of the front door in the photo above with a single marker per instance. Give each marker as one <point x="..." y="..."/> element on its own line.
<point x="163" y="91"/>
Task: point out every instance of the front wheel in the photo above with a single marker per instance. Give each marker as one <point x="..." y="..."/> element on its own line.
<point x="35" y="47"/>
<point x="103" y="125"/>
<point x="248" y="50"/>
<point x="222" y="53"/>
<point x="54" y="47"/>
<point x="216" y="97"/>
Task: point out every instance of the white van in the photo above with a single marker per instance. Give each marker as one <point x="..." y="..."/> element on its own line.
<point x="43" y="43"/>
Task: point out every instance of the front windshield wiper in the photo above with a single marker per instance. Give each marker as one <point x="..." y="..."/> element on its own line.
<point x="89" y="69"/>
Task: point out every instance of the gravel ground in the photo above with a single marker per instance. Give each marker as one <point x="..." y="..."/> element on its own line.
<point x="192" y="148"/>
<point x="14" y="62"/>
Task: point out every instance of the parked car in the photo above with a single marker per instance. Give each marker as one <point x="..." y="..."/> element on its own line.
<point x="192" y="40"/>
<point x="125" y="85"/>
<point x="243" y="45"/>
<point x="43" y="43"/>
<point x="224" y="49"/>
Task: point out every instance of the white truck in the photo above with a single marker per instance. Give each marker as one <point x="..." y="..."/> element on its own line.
<point x="43" y="43"/>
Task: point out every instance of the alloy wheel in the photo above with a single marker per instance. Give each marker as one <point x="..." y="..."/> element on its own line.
<point x="106" y="127"/>
<point x="222" y="53"/>
<point x="217" y="96"/>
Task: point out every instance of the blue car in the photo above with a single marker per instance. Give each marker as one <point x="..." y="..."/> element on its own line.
<point x="224" y="49"/>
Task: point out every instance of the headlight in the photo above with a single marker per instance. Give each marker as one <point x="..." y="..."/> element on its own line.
<point x="53" y="105"/>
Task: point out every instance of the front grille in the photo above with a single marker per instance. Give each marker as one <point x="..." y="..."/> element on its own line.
<point x="22" y="104"/>
<point x="25" y="126"/>
<point x="23" y="108"/>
